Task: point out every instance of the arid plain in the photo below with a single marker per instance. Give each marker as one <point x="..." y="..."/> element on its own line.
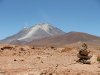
<point x="28" y="60"/>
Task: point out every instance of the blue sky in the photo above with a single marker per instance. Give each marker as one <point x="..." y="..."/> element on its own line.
<point x="68" y="15"/>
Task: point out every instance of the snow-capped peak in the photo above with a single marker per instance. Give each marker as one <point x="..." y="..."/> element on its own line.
<point x="44" y="26"/>
<point x="40" y="31"/>
<point x="37" y="31"/>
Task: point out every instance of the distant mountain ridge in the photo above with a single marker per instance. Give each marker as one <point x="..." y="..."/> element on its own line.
<point x="68" y="38"/>
<point x="45" y="34"/>
<point x="35" y="32"/>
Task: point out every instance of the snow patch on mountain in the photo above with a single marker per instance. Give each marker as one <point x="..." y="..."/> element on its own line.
<point x="42" y="30"/>
<point x="37" y="31"/>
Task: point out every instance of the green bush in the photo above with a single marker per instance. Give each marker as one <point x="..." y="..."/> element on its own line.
<point x="98" y="58"/>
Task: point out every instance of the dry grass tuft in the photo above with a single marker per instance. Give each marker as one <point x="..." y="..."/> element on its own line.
<point x="98" y="58"/>
<point x="67" y="49"/>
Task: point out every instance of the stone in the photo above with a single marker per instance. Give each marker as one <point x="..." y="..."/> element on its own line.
<point x="83" y="54"/>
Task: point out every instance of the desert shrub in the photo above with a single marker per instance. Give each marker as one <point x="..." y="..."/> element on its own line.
<point x="22" y="49"/>
<point x="66" y="49"/>
<point x="22" y="60"/>
<point x="7" y="47"/>
<point x="38" y="57"/>
<point x="2" y="49"/>
<point x="52" y="47"/>
<point x="14" y="53"/>
<point x="50" y="74"/>
<point x="33" y="48"/>
<point x="15" y="60"/>
<point x="98" y="58"/>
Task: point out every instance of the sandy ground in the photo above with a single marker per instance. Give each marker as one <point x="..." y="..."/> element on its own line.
<point x="23" y="60"/>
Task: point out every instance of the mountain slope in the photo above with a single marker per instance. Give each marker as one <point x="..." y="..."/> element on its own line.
<point x="35" y="32"/>
<point x="67" y="38"/>
<point x="46" y="35"/>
